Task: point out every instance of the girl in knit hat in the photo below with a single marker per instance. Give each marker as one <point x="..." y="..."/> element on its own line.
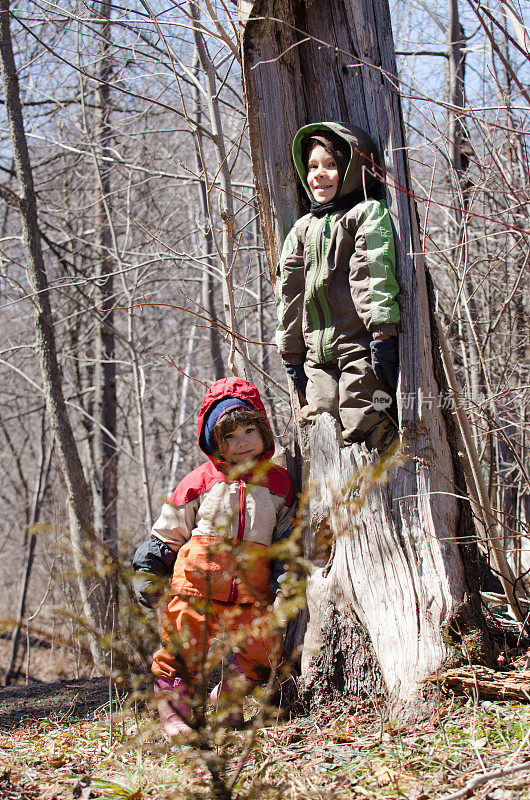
<point x="212" y="538"/>
<point x="336" y="287"/>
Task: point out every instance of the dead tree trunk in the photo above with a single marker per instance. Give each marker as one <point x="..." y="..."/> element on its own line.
<point x="400" y="579"/>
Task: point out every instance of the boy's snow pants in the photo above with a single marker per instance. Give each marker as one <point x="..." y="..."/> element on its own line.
<point x="345" y="389"/>
<point x="189" y="623"/>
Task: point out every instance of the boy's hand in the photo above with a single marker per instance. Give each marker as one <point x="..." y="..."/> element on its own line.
<point x="384" y="355"/>
<point x="297" y="374"/>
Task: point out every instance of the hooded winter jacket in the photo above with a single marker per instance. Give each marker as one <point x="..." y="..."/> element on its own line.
<point x="211" y="517"/>
<point x="336" y="277"/>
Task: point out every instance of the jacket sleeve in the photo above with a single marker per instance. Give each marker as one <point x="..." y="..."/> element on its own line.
<point x="175" y="524"/>
<point x="373" y="283"/>
<point x="153" y="564"/>
<point x="154" y="560"/>
<point x="154" y="557"/>
<point x="290" y="287"/>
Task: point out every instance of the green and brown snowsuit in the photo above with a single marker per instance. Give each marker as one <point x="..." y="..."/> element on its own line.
<point x="337" y="288"/>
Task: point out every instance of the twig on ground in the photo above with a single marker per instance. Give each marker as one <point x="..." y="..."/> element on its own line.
<point x="472" y="784"/>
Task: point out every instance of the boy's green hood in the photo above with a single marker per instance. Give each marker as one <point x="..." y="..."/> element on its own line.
<point x="362" y="150"/>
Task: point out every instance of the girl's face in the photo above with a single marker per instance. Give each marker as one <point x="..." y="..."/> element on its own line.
<point x="242" y="444"/>
<point x="322" y="174"/>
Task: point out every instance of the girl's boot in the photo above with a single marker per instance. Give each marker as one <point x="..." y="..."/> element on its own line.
<point x="222" y="696"/>
<point x="174" y="707"/>
<point x="230" y="692"/>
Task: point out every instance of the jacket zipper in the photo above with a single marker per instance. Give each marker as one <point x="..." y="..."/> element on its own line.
<point x="325" y="334"/>
<point x="316" y="299"/>
<point x="232" y="597"/>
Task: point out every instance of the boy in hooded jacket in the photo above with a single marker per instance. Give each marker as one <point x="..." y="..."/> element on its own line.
<point x="336" y="287"/>
<point x="212" y="537"/>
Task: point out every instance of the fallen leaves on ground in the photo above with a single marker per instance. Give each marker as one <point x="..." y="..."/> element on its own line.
<point x="335" y="755"/>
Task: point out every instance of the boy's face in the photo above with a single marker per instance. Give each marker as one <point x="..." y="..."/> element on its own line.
<point x="322" y="174"/>
<point x="242" y="444"/>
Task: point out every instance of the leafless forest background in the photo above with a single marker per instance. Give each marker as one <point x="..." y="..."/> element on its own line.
<point x="150" y="243"/>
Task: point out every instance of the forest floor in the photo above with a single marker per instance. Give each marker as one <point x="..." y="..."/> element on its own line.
<point x="62" y="742"/>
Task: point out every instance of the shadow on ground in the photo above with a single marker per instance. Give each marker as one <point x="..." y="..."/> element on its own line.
<point x="72" y="699"/>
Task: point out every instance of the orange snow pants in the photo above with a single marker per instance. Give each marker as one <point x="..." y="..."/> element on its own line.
<point x="189" y="623"/>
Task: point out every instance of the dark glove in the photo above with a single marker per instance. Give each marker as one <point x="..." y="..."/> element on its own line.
<point x="384" y="354"/>
<point x="297" y="374"/>
<point x="149" y="588"/>
<point x="153" y="562"/>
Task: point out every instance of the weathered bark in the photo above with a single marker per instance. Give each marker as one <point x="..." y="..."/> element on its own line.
<point x="485" y="684"/>
<point x="79" y="505"/>
<point x="346" y="666"/>
<point x="404" y="562"/>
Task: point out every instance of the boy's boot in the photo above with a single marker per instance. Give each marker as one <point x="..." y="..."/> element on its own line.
<point x="173" y="701"/>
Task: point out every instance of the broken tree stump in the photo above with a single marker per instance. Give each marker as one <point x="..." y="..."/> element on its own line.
<point x="404" y="566"/>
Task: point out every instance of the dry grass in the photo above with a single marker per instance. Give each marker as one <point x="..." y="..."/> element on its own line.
<point x="336" y="755"/>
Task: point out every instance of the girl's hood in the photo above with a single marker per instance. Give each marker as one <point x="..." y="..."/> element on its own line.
<point x="220" y="390"/>
<point x="362" y="152"/>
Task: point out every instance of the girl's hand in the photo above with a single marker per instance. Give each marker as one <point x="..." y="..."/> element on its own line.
<point x="153" y="564"/>
<point x="149" y="588"/>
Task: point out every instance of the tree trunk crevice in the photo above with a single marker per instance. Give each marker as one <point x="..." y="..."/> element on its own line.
<point x="348" y="668"/>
